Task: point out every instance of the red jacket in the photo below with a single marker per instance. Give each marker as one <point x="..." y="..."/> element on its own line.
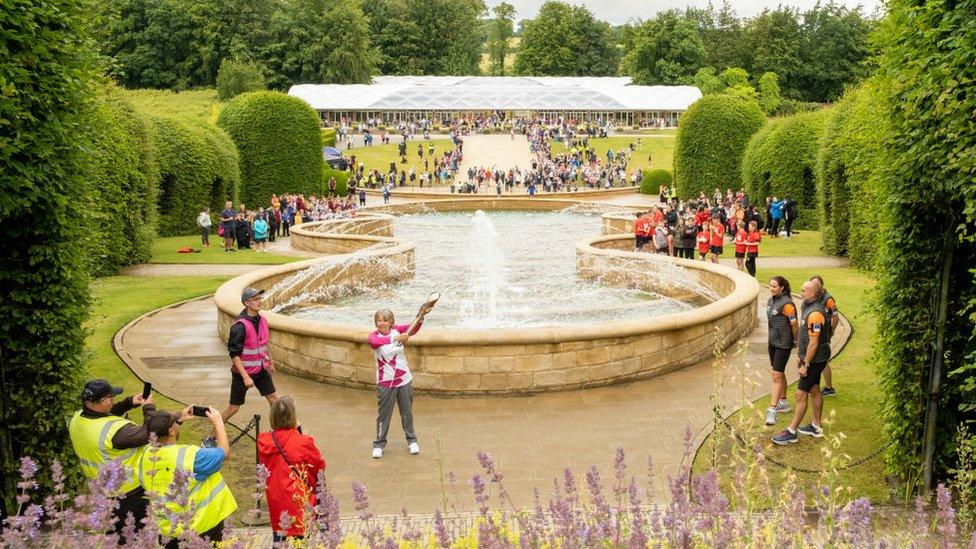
<point x="284" y="489"/>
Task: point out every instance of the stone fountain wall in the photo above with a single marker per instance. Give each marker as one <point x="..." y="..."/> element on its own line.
<point x="512" y="361"/>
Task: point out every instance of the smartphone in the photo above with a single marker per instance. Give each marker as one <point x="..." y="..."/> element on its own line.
<point x="200" y="411"/>
<point x="146" y="390"/>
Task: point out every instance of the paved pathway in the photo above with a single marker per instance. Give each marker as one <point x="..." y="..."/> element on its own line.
<point x="533" y="438"/>
<point x="496" y="150"/>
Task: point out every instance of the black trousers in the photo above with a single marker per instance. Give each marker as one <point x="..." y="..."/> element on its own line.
<point x="751" y="263"/>
<point x="789" y="227"/>
<point x="134" y="503"/>
<point x="213" y="535"/>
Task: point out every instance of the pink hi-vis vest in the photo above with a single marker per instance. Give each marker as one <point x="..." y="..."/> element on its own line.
<point x="255" y="355"/>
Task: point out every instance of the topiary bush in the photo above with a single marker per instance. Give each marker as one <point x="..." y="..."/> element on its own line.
<point x="198" y="167"/>
<point x="927" y="71"/>
<point x="780" y="160"/>
<point x="328" y="137"/>
<point x="123" y="184"/>
<point x="651" y="184"/>
<point x="712" y="136"/>
<point x="237" y="77"/>
<point x="279" y="141"/>
<point x="341" y="179"/>
<point x="850" y="186"/>
<point x="45" y="71"/>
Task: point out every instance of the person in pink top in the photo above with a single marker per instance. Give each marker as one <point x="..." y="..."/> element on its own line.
<point x="393" y="387"/>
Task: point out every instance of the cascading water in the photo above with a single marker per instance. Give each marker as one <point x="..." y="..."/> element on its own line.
<point x="486" y="272"/>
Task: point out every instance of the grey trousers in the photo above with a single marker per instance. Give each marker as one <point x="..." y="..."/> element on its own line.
<point x="386" y="398"/>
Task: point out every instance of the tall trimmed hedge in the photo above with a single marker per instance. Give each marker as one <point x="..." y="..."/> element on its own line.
<point x="198" y="167"/>
<point x="850" y="187"/>
<point x="712" y="136"/>
<point x="342" y="182"/>
<point x="780" y="160"/>
<point x="930" y="168"/>
<point x="45" y="72"/>
<point x="123" y="186"/>
<point x="280" y="144"/>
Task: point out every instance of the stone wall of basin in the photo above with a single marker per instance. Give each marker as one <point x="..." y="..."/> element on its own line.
<point x="343" y="236"/>
<point x="618" y="223"/>
<point x="593" y="194"/>
<point x="512" y="361"/>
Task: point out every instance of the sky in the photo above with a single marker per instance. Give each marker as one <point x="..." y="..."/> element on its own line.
<point x="617" y="12"/>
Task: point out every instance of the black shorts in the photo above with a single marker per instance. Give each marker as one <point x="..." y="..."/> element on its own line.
<point x="740" y="255"/>
<point x="717" y="250"/>
<point x="812" y="378"/>
<point x="778" y="358"/>
<point x="238" y="391"/>
<point x="641" y="241"/>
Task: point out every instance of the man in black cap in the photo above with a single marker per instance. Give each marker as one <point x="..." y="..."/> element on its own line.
<point x="247" y="345"/>
<point x="100" y="434"/>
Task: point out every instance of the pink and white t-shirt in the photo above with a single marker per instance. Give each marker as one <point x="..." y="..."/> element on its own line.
<point x="391" y="360"/>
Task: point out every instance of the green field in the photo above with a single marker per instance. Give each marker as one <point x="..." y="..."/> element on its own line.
<point x="802" y="244"/>
<point x="850" y="418"/>
<point x="660" y="148"/>
<point x="195" y="104"/>
<point x="165" y="251"/>
<point x="116" y="300"/>
<point x="378" y="157"/>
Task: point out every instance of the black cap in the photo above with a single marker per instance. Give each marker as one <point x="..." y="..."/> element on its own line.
<point x="250" y="293"/>
<point x="98" y="389"/>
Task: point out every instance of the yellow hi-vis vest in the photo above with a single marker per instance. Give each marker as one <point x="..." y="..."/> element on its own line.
<point x="210" y="501"/>
<point x="92" y="441"/>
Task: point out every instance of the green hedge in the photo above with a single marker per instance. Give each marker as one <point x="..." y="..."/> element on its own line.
<point x="927" y="75"/>
<point x="780" y="160"/>
<point x="198" y="166"/>
<point x="651" y="184"/>
<point x="328" y="137"/>
<point x="123" y="186"/>
<point x="280" y="144"/>
<point x="45" y="71"/>
<point x="850" y="187"/>
<point x="712" y="135"/>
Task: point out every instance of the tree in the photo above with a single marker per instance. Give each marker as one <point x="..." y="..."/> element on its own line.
<point x="734" y="76"/>
<point x="769" y="97"/>
<point x="500" y="29"/>
<point x="774" y="39"/>
<point x="566" y="40"/>
<point x="833" y="50"/>
<point x="706" y="80"/>
<point x="235" y="78"/>
<point x="664" y="50"/>
<point x="722" y="36"/>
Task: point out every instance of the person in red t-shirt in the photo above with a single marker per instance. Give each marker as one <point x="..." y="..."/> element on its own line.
<point x="703" y="241"/>
<point x="753" y="238"/>
<point x="642" y="232"/>
<point x="701" y="217"/>
<point x="740" y="245"/>
<point x="717" y="236"/>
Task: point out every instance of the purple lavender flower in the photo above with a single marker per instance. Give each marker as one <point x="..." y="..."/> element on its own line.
<point x="361" y="500"/>
<point x="440" y="531"/>
<point x="945" y="515"/>
<point x="480" y="493"/>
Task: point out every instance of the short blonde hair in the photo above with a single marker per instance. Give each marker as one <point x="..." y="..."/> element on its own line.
<point x="383" y="313"/>
<point x="283" y="414"/>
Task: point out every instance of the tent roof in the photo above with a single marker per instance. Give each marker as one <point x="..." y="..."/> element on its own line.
<point x="458" y="93"/>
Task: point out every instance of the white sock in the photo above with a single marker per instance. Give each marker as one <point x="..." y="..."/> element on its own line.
<point x="791" y="430"/>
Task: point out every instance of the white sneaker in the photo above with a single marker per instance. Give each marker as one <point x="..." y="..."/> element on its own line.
<point x="377" y="453"/>
<point x="771" y="416"/>
<point x="414" y="448"/>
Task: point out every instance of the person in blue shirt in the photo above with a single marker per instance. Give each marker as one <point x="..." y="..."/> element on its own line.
<point x="776" y="212"/>
<point x="260" y="228"/>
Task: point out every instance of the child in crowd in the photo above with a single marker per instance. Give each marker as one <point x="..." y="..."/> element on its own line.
<point x="393" y="376"/>
<point x="260" y="227"/>
<point x="703" y="239"/>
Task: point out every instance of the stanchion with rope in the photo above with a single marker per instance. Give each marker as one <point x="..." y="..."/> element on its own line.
<point x="257" y="515"/>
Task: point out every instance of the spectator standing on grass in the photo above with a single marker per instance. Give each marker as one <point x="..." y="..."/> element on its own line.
<point x="717" y="237"/>
<point x="781" y="321"/>
<point x="243" y="231"/>
<point x="790" y="213"/>
<point x="228" y="225"/>
<point x="685" y="233"/>
<point x="813" y="351"/>
<point x="293" y="463"/>
<point x="274" y="222"/>
<point x="753" y="238"/>
<point x="739" y="240"/>
<point x="829" y="305"/>
<point x="209" y="501"/>
<point x="776" y="211"/>
<point x="204" y="222"/>
<point x="261" y="229"/>
<point x="362" y="197"/>
<point x="100" y="433"/>
<point x="704" y="240"/>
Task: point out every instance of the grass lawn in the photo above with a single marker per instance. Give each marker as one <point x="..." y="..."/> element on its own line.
<point x="659" y="147"/>
<point x="378" y="157"/>
<point x="802" y="244"/>
<point x="119" y="299"/>
<point x="164" y="251"/>
<point x="195" y="104"/>
<point x="852" y="415"/>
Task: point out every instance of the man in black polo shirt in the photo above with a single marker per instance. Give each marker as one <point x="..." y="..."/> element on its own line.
<point x="228" y="225"/>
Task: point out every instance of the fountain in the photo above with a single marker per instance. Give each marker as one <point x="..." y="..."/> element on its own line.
<point x="531" y="301"/>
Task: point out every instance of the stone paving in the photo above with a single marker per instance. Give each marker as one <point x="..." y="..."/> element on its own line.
<point x="533" y="438"/>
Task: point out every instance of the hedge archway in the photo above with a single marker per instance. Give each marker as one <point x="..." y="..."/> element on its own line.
<point x="279" y="139"/>
<point x="850" y="186"/>
<point x="712" y="136"/>
<point x="198" y="167"/>
<point x="123" y="179"/>
<point x="780" y="161"/>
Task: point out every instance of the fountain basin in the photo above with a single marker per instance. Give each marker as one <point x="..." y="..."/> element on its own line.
<point x="513" y="360"/>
